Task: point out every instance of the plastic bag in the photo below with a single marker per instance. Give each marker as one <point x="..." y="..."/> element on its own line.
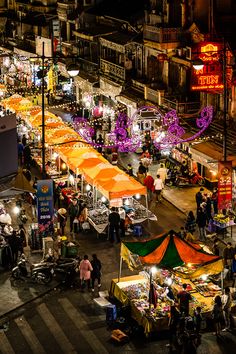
<point x="85" y="225"/>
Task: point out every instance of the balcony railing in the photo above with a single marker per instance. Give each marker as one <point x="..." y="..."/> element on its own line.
<point x="152" y="95"/>
<point x="161" y="35"/>
<point x="112" y="70"/>
<point x="180" y="107"/>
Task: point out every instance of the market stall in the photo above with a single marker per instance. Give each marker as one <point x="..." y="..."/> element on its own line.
<point x="223" y="222"/>
<point x="176" y="262"/>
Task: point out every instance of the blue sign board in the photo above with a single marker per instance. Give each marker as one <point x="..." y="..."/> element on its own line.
<point x="45" y="207"/>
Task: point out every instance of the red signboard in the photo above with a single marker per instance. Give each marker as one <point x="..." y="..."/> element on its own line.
<point x="210" y="77"/>
<point x="225" y="185"/>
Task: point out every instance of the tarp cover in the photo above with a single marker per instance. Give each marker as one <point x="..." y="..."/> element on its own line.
<point x="169" y="251"/>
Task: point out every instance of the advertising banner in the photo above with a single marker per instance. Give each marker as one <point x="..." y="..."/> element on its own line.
<point x="56" y="36"/>
<point x="225" y="185"/>
<point x="45" y="207"/>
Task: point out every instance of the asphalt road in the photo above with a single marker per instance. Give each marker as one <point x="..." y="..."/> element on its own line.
<point x="70" y="322"/>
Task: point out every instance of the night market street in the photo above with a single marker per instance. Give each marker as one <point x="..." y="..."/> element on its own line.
<point x="117" y="177"/>
<point x="54" y="322"/>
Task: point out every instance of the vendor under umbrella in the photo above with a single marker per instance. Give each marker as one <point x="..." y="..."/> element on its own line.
<point x="62" y="218"/>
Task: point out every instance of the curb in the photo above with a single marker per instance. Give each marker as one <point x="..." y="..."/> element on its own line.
<point x="27" y="302"/>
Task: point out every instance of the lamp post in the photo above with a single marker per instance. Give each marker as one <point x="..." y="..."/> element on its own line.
<point x="225" y="104"/>
<point x="43" y="117"/>
<point x="72" y="71"/>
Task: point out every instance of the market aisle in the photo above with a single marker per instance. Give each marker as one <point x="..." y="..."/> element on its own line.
<point x="70" y="322"/>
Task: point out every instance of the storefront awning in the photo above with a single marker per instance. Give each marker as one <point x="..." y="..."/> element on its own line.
<point x="14" y="185"/>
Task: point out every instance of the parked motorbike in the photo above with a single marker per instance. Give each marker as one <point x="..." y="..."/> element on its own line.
<point x="40" y="273"/>
<point x="194" y="178"/>
<point x="65" y="271"/>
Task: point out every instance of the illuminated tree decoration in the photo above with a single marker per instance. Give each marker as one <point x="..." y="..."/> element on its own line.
<point x="126" y="138"/>
<point x="174" y="132"/>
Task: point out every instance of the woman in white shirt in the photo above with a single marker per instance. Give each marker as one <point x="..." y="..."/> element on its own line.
<point x="158" y="185"/>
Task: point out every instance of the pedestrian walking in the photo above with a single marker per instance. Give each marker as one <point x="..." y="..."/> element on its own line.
<point x="197" y="316"/>
<point x="122" y="214"/>
<point x="83" y="216"/>
<point x="20" y="148"/>
<point x="149" y="183"/>
<point x="73" y="212"/>
<point x="85" y="269"/>
<point x="100" y="142"/>
<point x="15" y="245"/>
<point x="190" y="224"/>
<point x="23" y="238"/>
<point x="96" y="272"/>
<point x="208" y="208"/>
<point x="173" y="324"/>
<point x="158" y="188"/>
<point x="27" y="156"/>
<point x="234" y="271"/>
<point x="199" y="197"/>
<point x="214" y="199"/>
<point x="141" y="174"/>
<point x="215" y="248"/>
<point x="162" y="172"/>
<point x="129" y="170"/>
<point x="114" y="225"/>
<point x="201" y="222"/>
<point x="184" y="298"/>
<point x="228" y="256"/>
<point x="62" y="218"/>
<point x="227" y="303"/>
<point x="217" y="314"/>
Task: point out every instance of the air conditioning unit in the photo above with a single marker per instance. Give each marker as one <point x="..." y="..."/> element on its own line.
<point x="189" y="53"/>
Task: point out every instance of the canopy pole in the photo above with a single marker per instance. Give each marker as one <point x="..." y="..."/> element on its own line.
<point x="93" y="196"/>
<point x="82" y="184"/>
<point x="76" y="176"/>
<point x="150" y="285"/>
<point x="222" y="281"/>
<point x="146" y="201"/>
<point x="120" y="266"/>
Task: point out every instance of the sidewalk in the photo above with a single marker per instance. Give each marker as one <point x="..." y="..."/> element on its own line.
<point x="183" y="198"/>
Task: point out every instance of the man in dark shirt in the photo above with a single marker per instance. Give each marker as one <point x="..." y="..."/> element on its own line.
<point x="184" y="298"/>
<point x="114" y="222"/>
<point x="199" y="197"/>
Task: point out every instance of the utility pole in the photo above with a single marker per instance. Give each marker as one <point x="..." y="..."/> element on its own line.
<point x="225" y="102"/>
<point x="43" y="116"/>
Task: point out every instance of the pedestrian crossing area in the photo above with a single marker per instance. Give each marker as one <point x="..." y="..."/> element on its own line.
<point x="55" y="327"/>
<point x="74" y="324"/>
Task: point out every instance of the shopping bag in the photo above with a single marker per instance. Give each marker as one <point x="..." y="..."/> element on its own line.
<point x="85" y="225"/>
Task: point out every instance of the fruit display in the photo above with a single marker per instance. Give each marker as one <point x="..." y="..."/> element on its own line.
<point x="223" y="221"/>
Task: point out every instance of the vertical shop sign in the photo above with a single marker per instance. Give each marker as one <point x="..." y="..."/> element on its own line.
<point x="225" y="185"/>
<point x="45" y="207"/>
<point x="56" y="36"/>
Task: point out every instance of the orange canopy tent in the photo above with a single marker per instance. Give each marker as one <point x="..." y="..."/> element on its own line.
<point x="120" y="186"/>
<point x="102" y="171"/>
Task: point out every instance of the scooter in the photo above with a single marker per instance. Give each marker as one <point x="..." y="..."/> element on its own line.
<point x="40" y="273"/>
<point x="66" y="272"/>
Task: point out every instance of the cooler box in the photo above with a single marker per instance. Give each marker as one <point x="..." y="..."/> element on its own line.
<point x="137" y="230"/>
<point x="111" y="313"/>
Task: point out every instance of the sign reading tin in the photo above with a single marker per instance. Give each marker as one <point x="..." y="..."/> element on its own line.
<point x="210" y="77"/>
<point x="45" y="207"/>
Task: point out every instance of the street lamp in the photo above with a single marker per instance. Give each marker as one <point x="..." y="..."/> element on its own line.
<point x="73" y="70"/>
<point x="198" y="64"/>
